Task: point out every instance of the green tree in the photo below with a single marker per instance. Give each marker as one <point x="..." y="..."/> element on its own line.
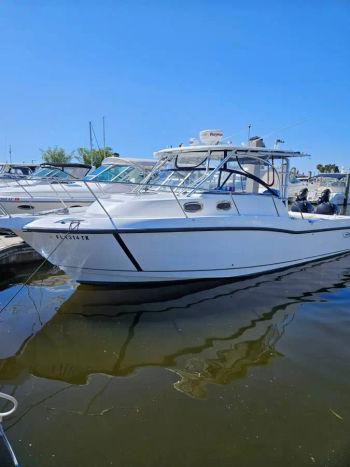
<point x="327" y="168"/>
<point x="56" y="154"/>
<point x="94" y="156"/>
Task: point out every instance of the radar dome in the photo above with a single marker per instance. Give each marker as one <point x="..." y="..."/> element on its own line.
<point x="210" y="137"/>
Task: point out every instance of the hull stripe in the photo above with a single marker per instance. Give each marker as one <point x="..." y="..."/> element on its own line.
<point x="188" y="229"/>
<point x="127" y="251"/>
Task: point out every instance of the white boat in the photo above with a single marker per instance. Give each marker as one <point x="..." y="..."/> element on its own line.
<point x="56" y="187"/>
<point x="47" y="173"/>
<point x="11" y="171"/>
<point x="335" y="182"/>
<point x="188" y="220"/>
<point x="296" y="183"/>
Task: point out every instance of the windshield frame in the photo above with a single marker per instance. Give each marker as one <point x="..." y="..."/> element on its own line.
<point x="221" y="166"/>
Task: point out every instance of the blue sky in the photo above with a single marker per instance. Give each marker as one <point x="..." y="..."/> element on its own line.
<point x="160" y="71"/>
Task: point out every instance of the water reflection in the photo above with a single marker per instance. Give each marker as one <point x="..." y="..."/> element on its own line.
<point x="204" y="333"/>
<point x="34" y="305"/>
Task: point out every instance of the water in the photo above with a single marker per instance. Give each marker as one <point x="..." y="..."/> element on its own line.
<point x="248" y="373"/>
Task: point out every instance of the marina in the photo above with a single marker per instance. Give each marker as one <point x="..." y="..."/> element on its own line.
<point x="127" y="346"/>
<point x="200" y="203"/>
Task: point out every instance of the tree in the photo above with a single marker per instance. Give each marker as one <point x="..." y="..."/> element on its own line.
<point x="56" y="155"/>
<point x="94" y="156"/>
<point x="327" y="168"/>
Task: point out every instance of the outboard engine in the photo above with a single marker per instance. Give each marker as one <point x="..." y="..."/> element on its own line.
<point x="301" y="204"/>
<point x="324" y="206"/>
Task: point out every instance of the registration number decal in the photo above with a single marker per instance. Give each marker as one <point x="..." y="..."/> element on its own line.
<point x="72" y="237"/>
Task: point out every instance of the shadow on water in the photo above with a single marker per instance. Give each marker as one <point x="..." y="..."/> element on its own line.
<point x="206" y="333"/>
<point x="199" y="374"/>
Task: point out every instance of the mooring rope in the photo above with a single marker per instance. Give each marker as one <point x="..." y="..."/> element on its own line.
<point x="36" y="270"/>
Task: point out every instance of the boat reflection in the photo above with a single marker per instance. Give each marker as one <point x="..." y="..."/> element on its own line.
<point x="204" y="333"/>
<point x="26" y="306"/>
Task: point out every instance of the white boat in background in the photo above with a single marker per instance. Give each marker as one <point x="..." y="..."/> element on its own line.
<point x="191" y="218"/>
<point x="54" y="187"/>
<point x="11" y="171"/>
<point x="48" y="173"/>
<point x="335" y="182"/>
<point x="296" y="183"/>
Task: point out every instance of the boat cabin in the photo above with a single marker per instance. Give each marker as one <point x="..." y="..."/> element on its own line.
<point x="211" y="180"/>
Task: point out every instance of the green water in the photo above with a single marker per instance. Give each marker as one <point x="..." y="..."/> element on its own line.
<point x="247" y="373"/>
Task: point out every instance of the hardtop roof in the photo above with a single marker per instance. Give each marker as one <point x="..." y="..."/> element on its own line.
<point x="68" y="164"/>
<point x="240" y="151"/>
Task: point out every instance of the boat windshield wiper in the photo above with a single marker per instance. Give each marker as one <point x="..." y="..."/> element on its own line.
<point x="187" y="167"/>
<point x="257" y="179"/>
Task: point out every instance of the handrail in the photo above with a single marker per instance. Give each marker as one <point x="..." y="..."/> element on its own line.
<point x="178" y="202"/>
<point x="234" y="203"/>
<point x="101" y="205"/>
<point x="4" y="210"/>
<point x="22" y="187"/>
<point x="13" y="408"/>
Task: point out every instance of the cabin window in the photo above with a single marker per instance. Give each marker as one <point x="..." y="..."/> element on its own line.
<point x="224" y="206"/>
<point x="25" y="207"/>
<point x="192" y="206"/>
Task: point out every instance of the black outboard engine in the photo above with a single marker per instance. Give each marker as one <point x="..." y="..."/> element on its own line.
<point x="301" y="204"/>
<point x="324" y="206"/>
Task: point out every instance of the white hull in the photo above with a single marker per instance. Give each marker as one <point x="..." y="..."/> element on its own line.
<point x="189" y="253"/>
<point x="32" y="206"/>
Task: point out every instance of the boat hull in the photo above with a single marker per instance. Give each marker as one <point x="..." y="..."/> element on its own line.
<point x="182" y="255"/>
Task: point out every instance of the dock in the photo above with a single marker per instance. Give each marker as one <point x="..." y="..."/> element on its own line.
<point x="13" y="250"/>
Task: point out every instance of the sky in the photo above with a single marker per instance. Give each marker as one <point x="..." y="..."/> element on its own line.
<point x="161" y="71"/>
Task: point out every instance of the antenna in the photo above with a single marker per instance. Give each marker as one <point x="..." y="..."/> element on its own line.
<point x="249" y="128"/>
<point x="10" y="154"/>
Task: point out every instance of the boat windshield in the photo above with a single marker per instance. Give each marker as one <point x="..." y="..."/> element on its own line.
<point x="116" y="173"/>
<point x="231" y="177"/>
<point x="48" y="172"/>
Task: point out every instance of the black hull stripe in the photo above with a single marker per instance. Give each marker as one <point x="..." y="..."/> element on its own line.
<point x="127" y="251"/>
<point x="189" y="229"/>
<point x="281" y="263"/>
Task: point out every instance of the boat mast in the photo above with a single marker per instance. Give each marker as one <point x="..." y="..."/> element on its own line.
<point x="104" y="135"/>
<point x="91" y="144"/>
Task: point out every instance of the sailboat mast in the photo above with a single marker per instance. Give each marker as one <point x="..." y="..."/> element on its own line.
<point x="91" y="144"/>
<point x="104" y="135"/>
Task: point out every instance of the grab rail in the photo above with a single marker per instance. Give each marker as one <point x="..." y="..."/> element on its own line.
<point x="12" y="409"/>
<point x="92" y="186"/>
